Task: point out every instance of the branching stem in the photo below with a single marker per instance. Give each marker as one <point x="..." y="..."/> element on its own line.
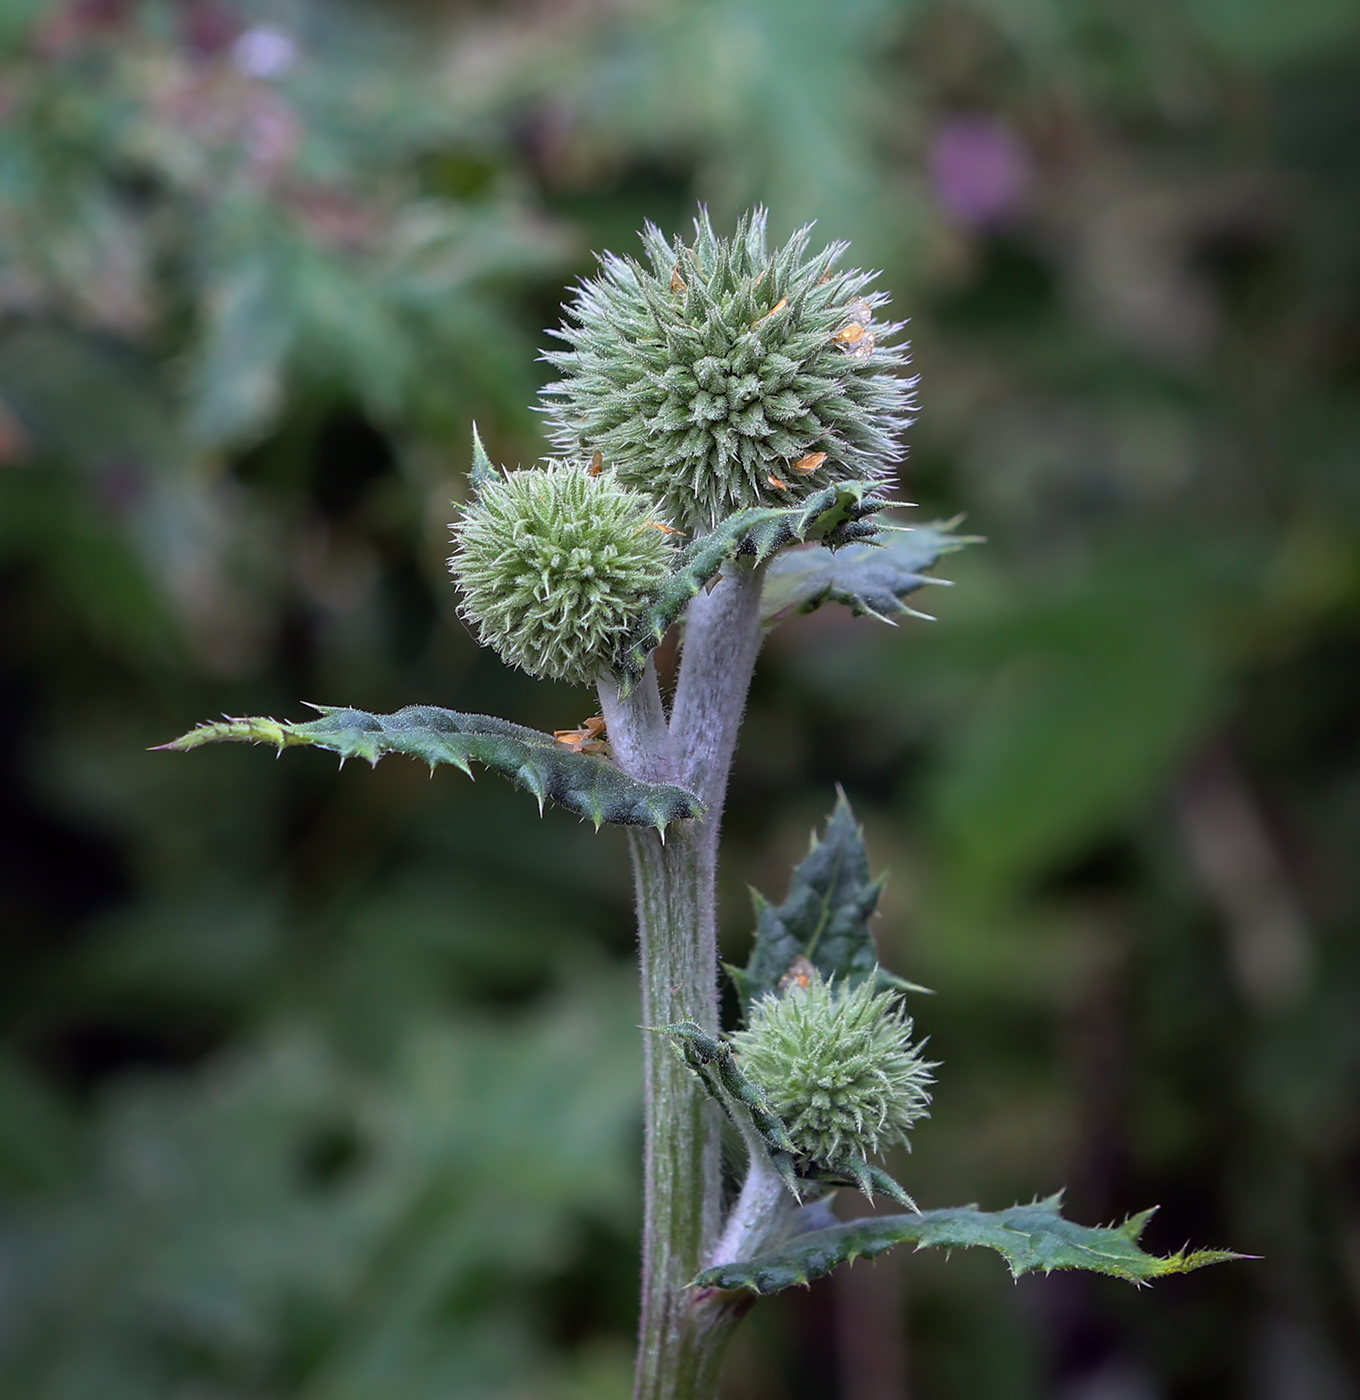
<point x="681" y="1333"/>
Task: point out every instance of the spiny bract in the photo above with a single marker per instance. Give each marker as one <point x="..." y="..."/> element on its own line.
<point x="555" y="565"/>
<point x="838" y="1067"/>
<point x="727" y="376"/>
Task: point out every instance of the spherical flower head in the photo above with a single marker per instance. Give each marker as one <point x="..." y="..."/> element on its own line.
<point x="555" y="565"/>
<point x="838" y="1066"/>
<point x="725" y="376"/>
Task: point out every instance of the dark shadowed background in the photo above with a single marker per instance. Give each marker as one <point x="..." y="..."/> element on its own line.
<point x="323" y="1085"/>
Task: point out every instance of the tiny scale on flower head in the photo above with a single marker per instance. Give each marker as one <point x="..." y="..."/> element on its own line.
<point x="838" y="1066"/>
<point x="555" y="564"/>
<point x="704" y="377"/>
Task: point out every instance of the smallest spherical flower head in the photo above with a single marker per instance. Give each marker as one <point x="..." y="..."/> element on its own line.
<point x="555" y="565"/>
<point x="838" y="1066"/>
<point x="724" y="375"/>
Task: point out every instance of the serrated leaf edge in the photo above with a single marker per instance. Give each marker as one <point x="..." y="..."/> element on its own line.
<point x="818" y="584"/>
<point x="816" y="1253"/>
<point x="836" y="516"/>
<point x="586" y="784"/>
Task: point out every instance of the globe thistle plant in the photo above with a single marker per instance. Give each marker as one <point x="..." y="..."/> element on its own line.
<point x="555" y="564"/>
<point x="725" y="376"/>
<point x="838" y="1066"/>
<point x="715" y="377"/>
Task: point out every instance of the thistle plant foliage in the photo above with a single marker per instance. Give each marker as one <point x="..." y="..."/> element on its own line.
<point x="838" y="1066"/>
<point x="1033" y="1238"/>
<point x="752" y="401"/>
<point x="584" y="783"/>
<point x="556" y="564"/>
<point x="725" y="376"/>
<point x="823" y="920"/>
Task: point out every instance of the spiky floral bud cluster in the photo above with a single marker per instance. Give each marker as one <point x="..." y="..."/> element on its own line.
<point x="727" y="376"/>
<point x="555" y="565"/>
<point x="838" y="1067"/>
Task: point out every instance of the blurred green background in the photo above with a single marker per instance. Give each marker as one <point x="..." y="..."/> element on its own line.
<point x="322" y="1086"/>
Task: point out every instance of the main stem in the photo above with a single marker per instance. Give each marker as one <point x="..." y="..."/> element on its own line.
<point x="681" y="1334"/>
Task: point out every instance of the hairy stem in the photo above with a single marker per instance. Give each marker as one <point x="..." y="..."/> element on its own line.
<point x="677" y="1356"/>
<point x="722" y="637"/>
<point x="760" y="1217"/>
<point x="681" y="1335"/>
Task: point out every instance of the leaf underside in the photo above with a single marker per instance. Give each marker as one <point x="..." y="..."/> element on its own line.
<point x="825" y="916"/>
<point x="585" y="784"/>
<point x="835" y="516"/>
<point x="870" y="579"/>
<point x="1029" y="1238"/>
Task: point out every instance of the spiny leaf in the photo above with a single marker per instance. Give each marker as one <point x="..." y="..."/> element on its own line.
<point x="835" y="516"/>
<point x="864" y="1176"/>
<point x="1028" y="1237"/>
<point x="711" y="1058"/>
<point x="870" y="579"/>
<point x="583" y="783"/>
<point x="825" y="917"/>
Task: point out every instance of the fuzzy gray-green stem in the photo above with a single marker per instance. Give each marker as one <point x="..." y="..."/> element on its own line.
<point x="677" y="1355"/>
<point x="760" y="1216"/>
<point x="681" y="1334"/>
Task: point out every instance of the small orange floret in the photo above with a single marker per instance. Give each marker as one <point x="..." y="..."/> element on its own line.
<point x="775" y="482"/>
<point x="800" y="974"/>
<point x="805" y="466"/>
<point x="848" y="335"/>
<point x="585" y="739"/>
<point x="596" y="463"/>
<point x="664" y="528"/>
<point x="678" y="283"/>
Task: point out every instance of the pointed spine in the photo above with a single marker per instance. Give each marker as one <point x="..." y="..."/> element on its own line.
<point x="482" y="470"/>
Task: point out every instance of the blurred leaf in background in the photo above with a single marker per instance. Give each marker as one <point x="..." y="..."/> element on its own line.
<point x="282" y="1222"/>
<point x="275" y="1032"/>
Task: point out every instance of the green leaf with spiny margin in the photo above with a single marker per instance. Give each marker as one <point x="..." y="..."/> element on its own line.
<point x="712" y="1058"/>
<point x="870" y="579"/>
<point x="586" y="784"/>
<point x="835" y="516"/>
<point x="825" y="917"/>
<point x="1029" y="1238"/>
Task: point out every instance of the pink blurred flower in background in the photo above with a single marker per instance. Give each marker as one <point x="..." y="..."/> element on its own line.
<point x="264" y="52"/>
<point x="979" y="169"/>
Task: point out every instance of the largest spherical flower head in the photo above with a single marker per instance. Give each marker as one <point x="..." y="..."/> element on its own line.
<point x="725" y="376"/>
<point x="555" y="565"/>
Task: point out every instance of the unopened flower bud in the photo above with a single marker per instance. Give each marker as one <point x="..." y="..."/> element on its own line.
<point x="838" y="1066"/>
<point x="555" y="564"/>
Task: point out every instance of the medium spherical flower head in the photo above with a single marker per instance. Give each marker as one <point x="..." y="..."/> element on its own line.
<point x="838" y="1066"/>
<point x="555" y="565"/>
<point x="725" y="376"/>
